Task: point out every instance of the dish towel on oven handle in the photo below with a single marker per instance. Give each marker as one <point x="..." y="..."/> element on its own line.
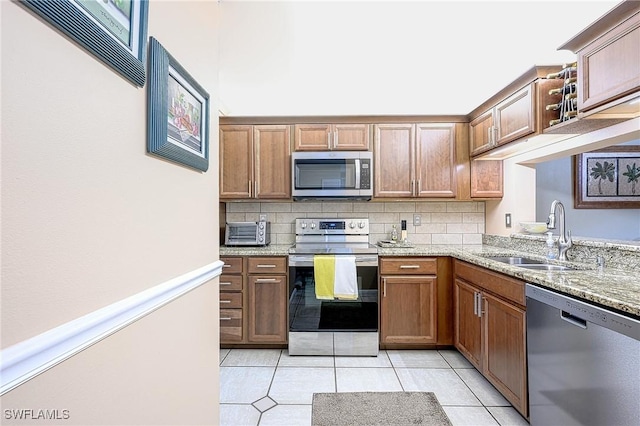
<point x="345" y="286"/>
<point x="324" y="272"/>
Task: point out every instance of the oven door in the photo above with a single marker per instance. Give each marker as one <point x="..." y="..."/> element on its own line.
<point x="309" y="314"/>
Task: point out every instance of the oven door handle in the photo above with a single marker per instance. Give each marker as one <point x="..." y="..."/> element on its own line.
<point x="307" y="260"/>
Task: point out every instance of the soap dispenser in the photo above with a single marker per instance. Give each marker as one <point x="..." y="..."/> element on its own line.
<point x="551" y="252"/>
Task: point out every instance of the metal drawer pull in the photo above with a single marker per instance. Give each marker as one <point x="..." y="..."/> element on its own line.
<point x="226" y="283"/>
<point x="409" y="266"/>
<point x="265" y="266"/>
<point x="226" y="266"/>
<point x="225" y="301"/>
<point x="267" y="280"/>
<point x="225" y="318"/>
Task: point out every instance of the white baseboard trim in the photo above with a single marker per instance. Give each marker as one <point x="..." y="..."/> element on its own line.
<point x="25" y="360"/>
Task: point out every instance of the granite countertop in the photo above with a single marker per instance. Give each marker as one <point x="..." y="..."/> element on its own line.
<point x="614" y="288"/>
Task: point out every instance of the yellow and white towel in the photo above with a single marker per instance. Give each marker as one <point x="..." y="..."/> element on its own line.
<point x="335" y="277"/>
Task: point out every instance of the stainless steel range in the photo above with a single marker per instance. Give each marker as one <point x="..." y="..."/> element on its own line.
<point x="320" y="326"/>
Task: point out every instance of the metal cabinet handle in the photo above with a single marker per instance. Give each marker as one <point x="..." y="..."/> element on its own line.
<point x="225" y="319"/>
<point x="480" y="311"/>
<point x="249" y="188"/>
<point x="335" y="139"/>
<point x="265" y="266"/>
<point x="225" y="283"/>
<point x="267" y="280"/>
<point x="409" y="266"/>
<point x="255" y="188"/>
<point x="226" y="265"/>
<point x="419" y="187"/>
<point x="475" y="303"/>
<point x="384" y="287"/>
<point x="329" y="140"/>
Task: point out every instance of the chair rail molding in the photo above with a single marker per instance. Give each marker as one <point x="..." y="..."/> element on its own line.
<point x="25" y="360"/>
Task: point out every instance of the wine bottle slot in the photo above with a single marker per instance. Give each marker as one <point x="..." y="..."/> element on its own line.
<point x="571" y="65"/>
<point x="570" y="80"/>
<point x="571" y="96"/>
<point x="570" y="114"/>
<point x="554" y="107"/>
<point x="554" y="122"/>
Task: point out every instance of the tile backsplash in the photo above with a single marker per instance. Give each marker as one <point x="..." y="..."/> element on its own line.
<point x="443" y="222"/>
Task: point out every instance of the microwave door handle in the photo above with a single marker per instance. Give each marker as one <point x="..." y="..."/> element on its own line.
<point x="357" y="162"/>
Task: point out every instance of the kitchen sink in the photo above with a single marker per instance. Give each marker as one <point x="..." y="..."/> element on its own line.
<point x="546" y="267"/>
<point x="528" y="263"/>
<point x="515" y="260"/>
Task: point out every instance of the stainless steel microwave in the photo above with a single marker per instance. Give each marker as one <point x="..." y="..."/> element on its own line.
<point x="332" y="175"/>
<point x="247" y="234"/>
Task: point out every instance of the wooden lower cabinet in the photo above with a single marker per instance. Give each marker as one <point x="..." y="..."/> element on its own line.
<point x="415" y="302"/>
<point x="490" y="328"/>
<point x="409" y="309"/>
<point x="267" y="309"/>
<point x="253" y="301"/>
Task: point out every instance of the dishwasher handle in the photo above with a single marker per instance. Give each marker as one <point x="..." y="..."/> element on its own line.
<point x="572" y="319"/>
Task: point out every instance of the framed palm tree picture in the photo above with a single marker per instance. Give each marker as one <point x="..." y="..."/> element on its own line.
<point x="608" y="178"/>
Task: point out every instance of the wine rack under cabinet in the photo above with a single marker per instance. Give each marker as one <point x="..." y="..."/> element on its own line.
<point x="568" y="106"/>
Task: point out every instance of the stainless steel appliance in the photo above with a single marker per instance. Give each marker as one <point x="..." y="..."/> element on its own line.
<point x="333" y="327"/>
<point x="584" y="362"/>
<point x="247" y="234"/>
<point x="332" y="175"/>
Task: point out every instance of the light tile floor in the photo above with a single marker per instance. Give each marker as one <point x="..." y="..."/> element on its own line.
<point x="269" y="387"/>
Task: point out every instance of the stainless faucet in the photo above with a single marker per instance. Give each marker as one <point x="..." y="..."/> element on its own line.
<point x="564" y="240"/>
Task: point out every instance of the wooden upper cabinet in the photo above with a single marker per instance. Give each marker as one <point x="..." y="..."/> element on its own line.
<point x="255" y="162"/>
<point x="487" y="179"/>
<point x="435" y="159"/>
<point x="325" y="137"/>
<point x="236" y="162"/>
<point x="609" y="66"/>
<point x="272" y="162"/>
<point x="480" y="137"/>
<point x="414" y="160"/>
<point x="514" y="117"/>
<point x="393" y="160"/>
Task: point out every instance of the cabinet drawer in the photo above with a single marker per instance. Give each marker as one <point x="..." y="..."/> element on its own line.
<point x="232" y="265"/>
<point x="408" y="265"/>
<point x="494" y="282"/>
<point x="231" y="325"/>
<point x="267" y="265"/>
<point x="230" y="300"/>
<point x="231" y="282"/>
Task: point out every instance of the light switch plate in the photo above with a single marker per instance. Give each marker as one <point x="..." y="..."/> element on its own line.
<point x="507" y="220"/>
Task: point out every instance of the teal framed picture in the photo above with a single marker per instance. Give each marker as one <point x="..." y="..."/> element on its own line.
<point x="114" y="31"/>
<point x="177" y="111"/>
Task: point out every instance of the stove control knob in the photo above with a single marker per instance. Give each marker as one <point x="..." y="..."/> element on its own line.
<point x="303" y="225"/>
<point x="313" y="225"/>
<point x="352" y="225"/>
<point x="361" y="225"/>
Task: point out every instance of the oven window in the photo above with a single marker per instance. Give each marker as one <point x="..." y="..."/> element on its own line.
<point x="306" y="313"/>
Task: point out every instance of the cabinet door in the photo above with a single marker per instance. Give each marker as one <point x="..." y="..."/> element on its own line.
<point x="267" y="309"/>
<point x="435" y="160"/>
<point x="312" y="137"/>
<point x="272" y="161"/>
<point x="236" y="167"/>
<point x="609" y="67"/>
<point x="514" y="117"/>
<point x="394" y="158"/>
<point x="480" y="136"/>
<point x="505" y="363"/>
<point x="350" y="137"/>
<point x="468" y="332"/>
<point x="486" y="179"/>
<point x="408" y="309"/>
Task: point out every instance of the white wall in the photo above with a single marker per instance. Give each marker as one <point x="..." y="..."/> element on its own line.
<point x="385" y="57"/>
<point x="88" y="219"/>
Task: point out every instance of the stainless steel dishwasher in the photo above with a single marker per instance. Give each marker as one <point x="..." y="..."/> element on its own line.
<point x="584" y="362"/>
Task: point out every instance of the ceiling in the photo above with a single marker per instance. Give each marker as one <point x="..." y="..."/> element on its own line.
<point x="386" y="58"/>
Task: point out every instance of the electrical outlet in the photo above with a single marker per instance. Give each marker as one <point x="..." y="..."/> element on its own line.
<point x="507" y="220"/>
<point x="417" y="220"/>
<point x="263" y="217"/>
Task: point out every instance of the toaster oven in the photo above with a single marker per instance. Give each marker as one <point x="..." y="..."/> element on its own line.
<point x="247" y="234"/>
